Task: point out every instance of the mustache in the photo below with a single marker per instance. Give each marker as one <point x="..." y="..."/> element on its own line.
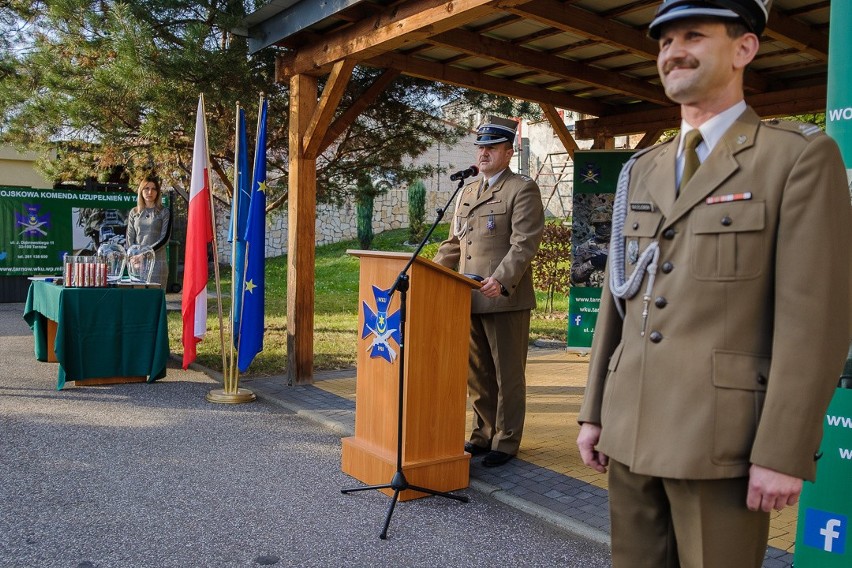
<point x="680" y="62"/>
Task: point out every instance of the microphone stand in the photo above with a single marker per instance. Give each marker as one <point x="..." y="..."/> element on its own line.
<point x="399" y="483"/>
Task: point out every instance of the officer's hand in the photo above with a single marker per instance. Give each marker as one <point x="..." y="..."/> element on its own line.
<point x="586" y="441"/>
<point x="769" y="489"/>
<point x="491" y="288"/>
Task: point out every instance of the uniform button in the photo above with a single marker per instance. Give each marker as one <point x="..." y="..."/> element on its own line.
<point x="468" y="257"/>
<point x="661" y="302"/>
<point x="470" y="242"/>
<point x="761" y="380"/>
<point x="669" y="233"/>
<point x="655" y="337"/>
<point x="726" y="221"/>
<point x="635" y="226"/>
<point x="667" y="267"/>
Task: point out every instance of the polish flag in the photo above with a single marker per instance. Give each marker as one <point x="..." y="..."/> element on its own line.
<point x="199" y="232"/>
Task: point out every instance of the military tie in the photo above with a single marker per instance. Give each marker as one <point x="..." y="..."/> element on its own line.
<point x="690" y="157"/>
<point x="482" y="187"/>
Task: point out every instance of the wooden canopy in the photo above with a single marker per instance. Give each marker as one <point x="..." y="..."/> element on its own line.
<point x="588" y="56"/>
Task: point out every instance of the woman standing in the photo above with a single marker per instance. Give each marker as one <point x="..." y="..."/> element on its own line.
<point x="149" y="223"/>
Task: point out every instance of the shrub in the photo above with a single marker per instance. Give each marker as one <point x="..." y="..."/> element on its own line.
<point x="552" y="264"/>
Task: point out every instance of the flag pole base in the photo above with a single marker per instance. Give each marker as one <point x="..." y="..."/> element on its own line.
<point x="221" y="397"/>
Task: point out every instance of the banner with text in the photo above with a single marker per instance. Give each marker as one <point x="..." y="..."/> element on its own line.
<point x="39" y="226"/>
<point x="825" y="508"/>
<point x="595" y="179"/>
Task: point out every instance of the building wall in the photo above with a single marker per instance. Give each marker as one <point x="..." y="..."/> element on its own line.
<point x="18" y="168"/>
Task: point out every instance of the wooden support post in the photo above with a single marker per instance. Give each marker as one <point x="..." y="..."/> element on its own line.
<point x="301" y="238"/>
<point x="559" y="127"/>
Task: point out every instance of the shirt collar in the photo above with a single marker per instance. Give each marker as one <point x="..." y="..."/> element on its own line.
<point x="713" y="130"/>
<point x="493" y="179"/>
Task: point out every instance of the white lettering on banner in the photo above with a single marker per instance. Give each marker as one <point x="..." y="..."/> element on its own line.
<point x="844" y="421"/>
<point x="830" y="534"/>
<point x="845" y="454"/>
<point x="840" y="113"/>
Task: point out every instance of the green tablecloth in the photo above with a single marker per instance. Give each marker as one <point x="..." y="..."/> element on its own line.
<point x="101" y="332"/>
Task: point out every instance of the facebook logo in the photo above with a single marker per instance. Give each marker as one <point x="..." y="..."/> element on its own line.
<point x="825" y="531"/>
<point x="576" y="319"/>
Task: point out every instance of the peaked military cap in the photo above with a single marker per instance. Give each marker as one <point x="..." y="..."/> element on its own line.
<point x="752" y="13"/>
<point x="496" y="130"/>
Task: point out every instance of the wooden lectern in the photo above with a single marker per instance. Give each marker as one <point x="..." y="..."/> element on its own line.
<point x="437" y="336"/>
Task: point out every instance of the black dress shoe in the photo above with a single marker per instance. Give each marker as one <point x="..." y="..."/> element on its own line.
<point x="475" y="450"/>
<point x="495" y="458"/>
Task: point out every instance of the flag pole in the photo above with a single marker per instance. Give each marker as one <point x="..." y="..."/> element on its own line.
<point x="230" y="393"/>
<point x="235" y="215"/>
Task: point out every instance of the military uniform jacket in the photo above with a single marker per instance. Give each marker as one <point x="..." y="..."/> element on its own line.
<point x="748" y="323"/>
<point x="497" y="235"/>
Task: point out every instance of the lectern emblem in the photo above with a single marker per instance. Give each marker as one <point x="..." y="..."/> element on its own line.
<point x="381" y="326"/>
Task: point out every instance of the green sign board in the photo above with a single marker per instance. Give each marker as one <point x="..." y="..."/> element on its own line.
<point x="595" y="180"/>
<point x="39" y="226"/>
<point x="583" y="306"/>
<point x="825" y="509"/>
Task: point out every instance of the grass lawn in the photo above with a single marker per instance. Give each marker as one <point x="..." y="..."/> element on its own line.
<point x="335" y="309"/>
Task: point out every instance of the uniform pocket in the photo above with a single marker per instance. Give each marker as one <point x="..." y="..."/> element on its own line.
<point x="727" y="240"/>
<point x="640" y="228"/>
<point x="492" y="220"/>
<point x="609" y="384"/>
<point x="739" y="381"/>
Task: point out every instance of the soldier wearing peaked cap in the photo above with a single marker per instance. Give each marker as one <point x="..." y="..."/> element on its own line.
<point x="496" y="230"/>
<point x="716" y="351"/>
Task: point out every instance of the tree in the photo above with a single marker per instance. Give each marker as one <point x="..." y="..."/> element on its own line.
<point x="416" y="211"/>
<point x="365" y="196"/>
<point x="108" y="85"/>
<point x="552" y="263"/>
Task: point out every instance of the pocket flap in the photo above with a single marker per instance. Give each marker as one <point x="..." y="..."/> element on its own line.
<point x="496" y="208"/>
<point x="745" y="371"/>
<point x="732" y="217"/>
<point x="642" y="223"/>
<point x="616" y="355"/>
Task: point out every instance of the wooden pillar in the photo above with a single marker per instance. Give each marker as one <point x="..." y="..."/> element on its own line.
<point x="301" y="234"/>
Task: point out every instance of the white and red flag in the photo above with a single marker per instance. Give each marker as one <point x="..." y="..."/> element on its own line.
<point x="199" y="233"/>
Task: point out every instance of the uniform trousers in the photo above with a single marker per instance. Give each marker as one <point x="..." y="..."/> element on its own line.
<point x="496" y="380"/>
<point x="668" y="523"/>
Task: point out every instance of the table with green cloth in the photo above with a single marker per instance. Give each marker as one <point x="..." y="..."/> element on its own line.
<point x="100" y="332"/>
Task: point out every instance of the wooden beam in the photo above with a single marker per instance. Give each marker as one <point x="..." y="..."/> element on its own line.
<point x="559" y="127"/>
<point x="301" y="234"/>
<point x="778" y="103"/>
<point x="798" y="34"/>
<point x="586" y="24"/>
<point x="361" y="103"/>
<point x="416" y="67"/>
<point x="324" y="113"/>
<point x="411" y="21"/>
<point x="649" y="139"/>
<point x="504" y="52"/>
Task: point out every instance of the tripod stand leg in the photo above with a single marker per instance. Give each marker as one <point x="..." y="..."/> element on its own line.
<point x="391" y="507"/>
<point x="462" y="498"/>
<point x="366" y="488"/>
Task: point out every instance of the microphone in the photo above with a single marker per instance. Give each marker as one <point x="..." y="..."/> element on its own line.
<point x="464" y="174"/>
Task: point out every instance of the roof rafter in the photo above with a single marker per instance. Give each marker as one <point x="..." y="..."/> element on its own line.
<point x="474" y="80"/>
<point x="551" y="65"/>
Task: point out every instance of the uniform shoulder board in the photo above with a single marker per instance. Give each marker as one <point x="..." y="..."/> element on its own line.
<point x="806" y="129"/>
<point x="525" y="177"/>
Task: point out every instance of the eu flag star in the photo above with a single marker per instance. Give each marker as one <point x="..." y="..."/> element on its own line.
<point x="250" y="286"/>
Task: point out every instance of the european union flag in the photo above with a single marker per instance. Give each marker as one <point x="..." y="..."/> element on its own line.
<point x="251" y="323"/>
<point x="239" y="215"/>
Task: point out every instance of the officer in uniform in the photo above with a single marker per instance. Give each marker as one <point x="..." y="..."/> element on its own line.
<point x="716" y="350"/>
<point x="496" y="231"/>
